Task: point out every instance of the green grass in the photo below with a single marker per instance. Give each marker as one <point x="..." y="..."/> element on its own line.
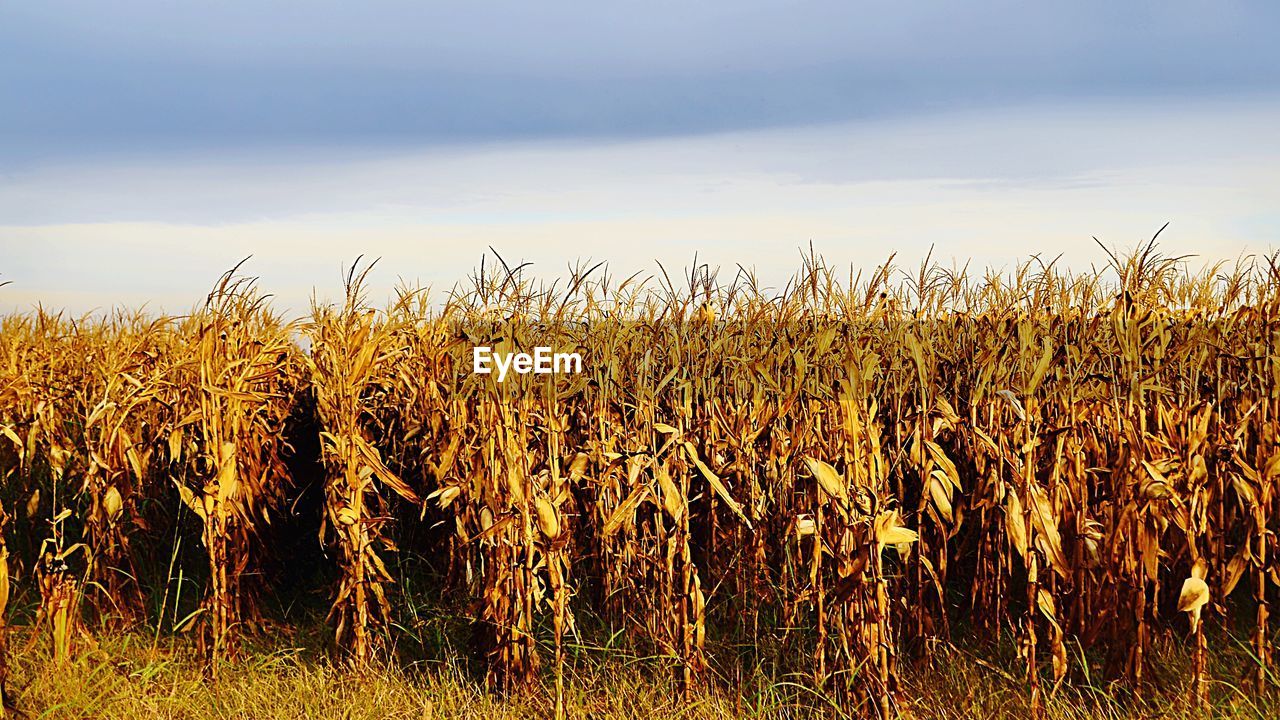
<point x="134" y="675"/>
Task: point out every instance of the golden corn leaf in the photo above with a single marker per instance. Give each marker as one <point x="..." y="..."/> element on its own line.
<point x="716" y="484"/>
<point x="1058" y="652"/>
<point x="347" y="516"/>
<point x="1245" y="490"/>
<point x="914" y="451"/>
<point x="383" y="473"/>
<point x="445" y="495"/>
<point x="33" y="503"/>
<point x="1194" y="595"/>
<point x="176" y="446"/>
<point x="1150" y="560"/>
<point x="227" y="479"/>
<point x="941" y="494"/>
<point x="672" y="501"/>
<point x="548" y="522"/>
<point x="946" y="410"/>
<point x="1014" y="402"/>
<point x="1235" y="570"/>
<point x="137" y="462"/>
<point x="805" y="526"/>
<point x="1044" y="601"/>
<point x="889" y="530"/>
<point x="515" y="486"/>
<point x="1048" y="539"/>
<point x="828" y="479"/>
<point x="13" y="438"/>
<point x="1042" y="366"/>
<point x="578" y="467"/>
<point x="626" y="510"/>
<point x="948" y="467"/>
<point x="1158" y="486"/>
<point x="112" y="503"/>
<point x="1015" y="522"/>
<point x="986" y="440"/>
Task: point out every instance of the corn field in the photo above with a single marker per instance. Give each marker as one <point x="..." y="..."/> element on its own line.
<point x="840" y="475"/>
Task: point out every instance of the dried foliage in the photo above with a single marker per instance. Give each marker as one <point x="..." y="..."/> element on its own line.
<point x="842" y="472"/>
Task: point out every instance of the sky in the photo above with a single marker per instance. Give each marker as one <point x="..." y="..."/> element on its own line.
<point x="145" y="147"/>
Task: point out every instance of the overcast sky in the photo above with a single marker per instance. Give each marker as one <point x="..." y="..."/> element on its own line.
<point x="147" y="146"/>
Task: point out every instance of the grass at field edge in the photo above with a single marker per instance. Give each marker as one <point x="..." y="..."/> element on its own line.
<point x="135" y="675"/>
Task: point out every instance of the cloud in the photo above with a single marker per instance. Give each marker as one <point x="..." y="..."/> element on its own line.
<point x="1034" y="147"/>
<point x="80" y="77"/>
<point x="989" y="187"/>
<point x="148" y="146"/>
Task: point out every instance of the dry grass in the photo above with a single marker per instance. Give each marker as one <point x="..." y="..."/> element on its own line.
<point x="129" y="676"/>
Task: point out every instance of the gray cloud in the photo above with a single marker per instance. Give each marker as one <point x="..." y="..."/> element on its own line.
<point x="1049" y="146"/>
<point x="989" y="187"/>
<point x="81" y="77"/>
